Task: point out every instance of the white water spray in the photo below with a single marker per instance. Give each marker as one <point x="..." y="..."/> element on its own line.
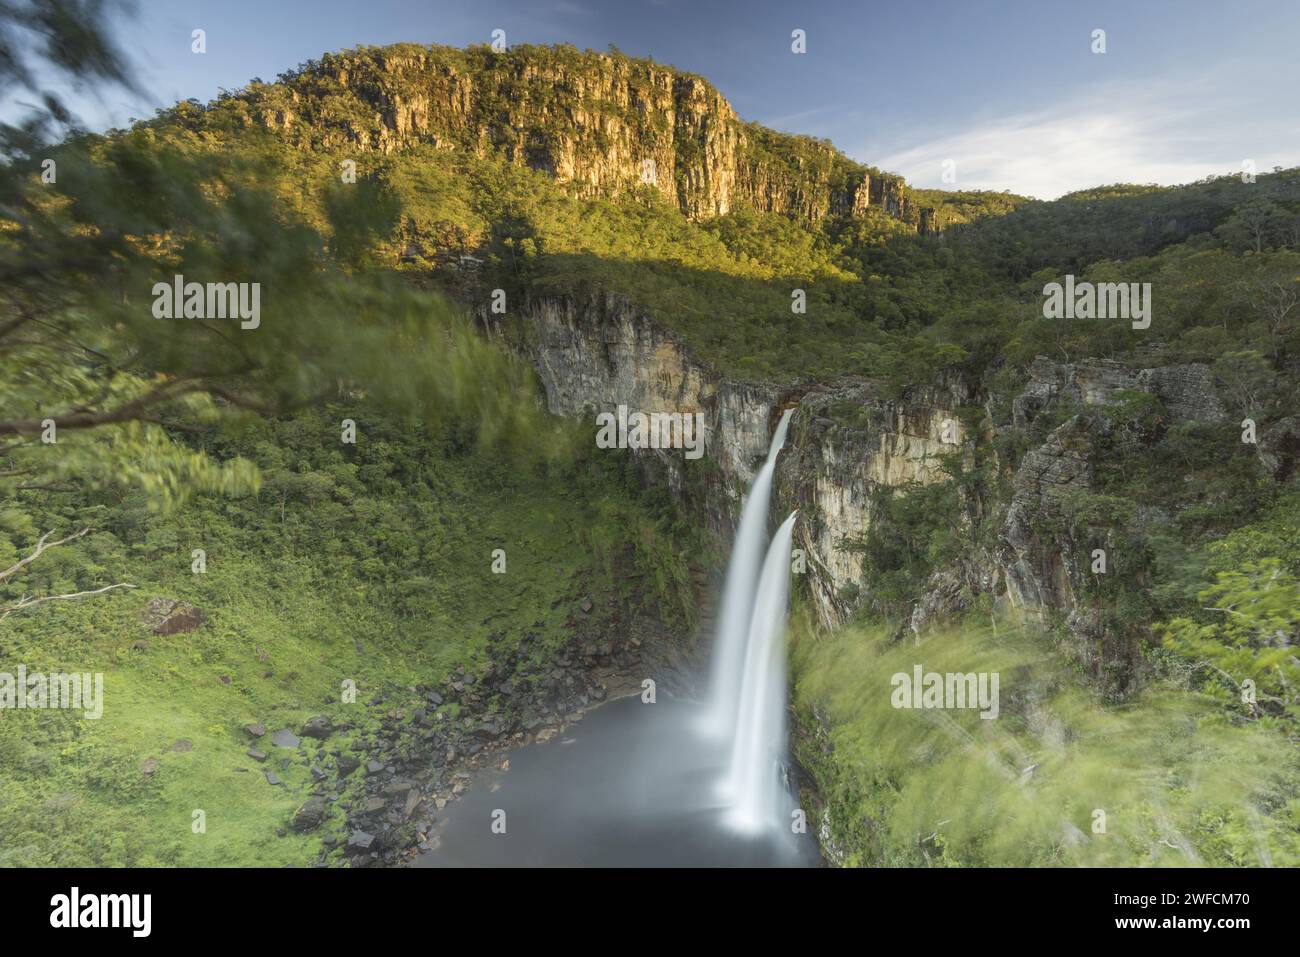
<point x="738" y="595"/>
<point x="753" y="786"/>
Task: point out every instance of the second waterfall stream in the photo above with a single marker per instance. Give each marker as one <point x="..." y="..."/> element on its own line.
<point x="747" y="699"/>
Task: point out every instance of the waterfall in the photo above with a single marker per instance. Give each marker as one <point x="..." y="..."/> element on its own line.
<point x="738" y="594"/>
<point x="754" y="787"/>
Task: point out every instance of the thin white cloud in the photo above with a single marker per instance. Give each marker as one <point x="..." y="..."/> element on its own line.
<point x="1169" y="132"/>
<point x="795" y="119"/>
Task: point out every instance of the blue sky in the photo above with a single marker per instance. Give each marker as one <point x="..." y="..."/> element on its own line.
<point x="1010" y="91"/>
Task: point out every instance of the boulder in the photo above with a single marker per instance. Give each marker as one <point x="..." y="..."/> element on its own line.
<point x="168" y="616"/>
<point x="347" y="764"/>
<point x="284" y="738"/>
<point x="319" y="727"/>
<point x="359" y="842"/>
<point x="309" y="816"/>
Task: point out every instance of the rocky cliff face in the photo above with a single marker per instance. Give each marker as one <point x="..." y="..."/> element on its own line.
<point x="847" y="443"/>
<point x="604" y="124"/>
<point x="1044" y="568"/>
<point x="596" y="353"/>
<point x="1047" y="574"/>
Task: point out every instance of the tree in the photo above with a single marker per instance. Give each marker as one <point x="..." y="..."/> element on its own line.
<point x="1246" y="378"/>
<point x="1253" y="225"/>
<point x="1271" y="291"/>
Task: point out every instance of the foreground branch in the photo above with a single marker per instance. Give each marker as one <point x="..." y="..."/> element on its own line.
<point x="41" y="548"/>
<point x="72" y="596"/>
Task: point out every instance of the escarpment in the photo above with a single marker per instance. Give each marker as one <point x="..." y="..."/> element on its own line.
<point x="603" y="124"/>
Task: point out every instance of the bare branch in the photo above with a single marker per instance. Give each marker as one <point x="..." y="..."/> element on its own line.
<point x="41" y="548"/>
<point x="29" y="602"/>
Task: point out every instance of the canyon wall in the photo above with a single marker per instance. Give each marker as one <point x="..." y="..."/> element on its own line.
<point x="848" y="443"/>
<point x="596" y="353"/>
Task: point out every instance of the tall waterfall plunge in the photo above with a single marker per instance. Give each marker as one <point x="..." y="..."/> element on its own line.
<point x="753" y="787"/>
<point x="737" y="605"/>
<point x="747" y="703"/>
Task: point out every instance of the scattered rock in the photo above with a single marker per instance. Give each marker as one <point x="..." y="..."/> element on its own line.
<point x="149" y="766"/>
<point x="284" y="738"/>
<point x="347" y="764"/>
<point x="319" y="727"/>
<point x="309" y="816"/>
<point x="255" y="730"/>
<point x="359" y="842"/>
<point x="183" y="745"/>
<point x="271" y="778"/>
<point x="587" y="606"/>
<point x="256" y="755"/>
